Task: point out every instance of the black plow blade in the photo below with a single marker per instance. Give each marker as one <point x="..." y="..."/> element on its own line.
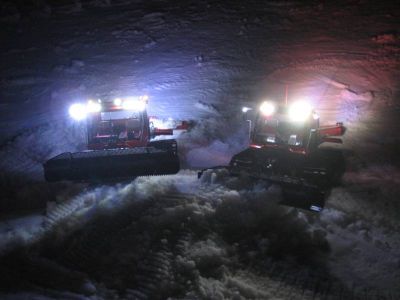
<point x="111" y="164"/>
<point x="303" y="197"/>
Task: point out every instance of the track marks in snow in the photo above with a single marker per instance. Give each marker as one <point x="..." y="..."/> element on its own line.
<point x="147" y="256"/>
<point x="155" y="241"/>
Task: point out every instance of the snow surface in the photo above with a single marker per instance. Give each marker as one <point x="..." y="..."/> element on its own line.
<point x="220" y="237"/>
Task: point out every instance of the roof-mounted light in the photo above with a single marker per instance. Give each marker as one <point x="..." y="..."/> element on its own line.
<point x="267" y="108"/>
<point x="117" y="101"/>
<point x="93" y="106"/>
<point x="134" y="103"/>
<point x="245" y="109"/>
<point x="144" y="98"/>
<point x="78" y="111"/>
<point x="300" y="111"/>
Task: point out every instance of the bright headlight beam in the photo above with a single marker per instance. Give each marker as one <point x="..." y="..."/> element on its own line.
<point x="135" y="105"/>
<point x="144" y="98"/>
<point x="117" y="101"/>
<point x="300" y="111"/>
<point x="245" y="109"/>
<point x="93" y="107"/>
<point x="267" y="108"/>
<point x="77" y="111"/>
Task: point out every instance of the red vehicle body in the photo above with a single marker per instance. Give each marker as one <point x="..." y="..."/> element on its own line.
<point x="289" y="152"/>
<point x="119" y="145"/>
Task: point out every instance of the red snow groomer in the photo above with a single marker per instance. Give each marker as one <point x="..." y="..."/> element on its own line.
<point x="285" y="148"/>
<point x="119" y="144"/>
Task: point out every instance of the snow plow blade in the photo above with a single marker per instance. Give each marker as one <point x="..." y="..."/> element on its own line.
<point x="316" y="171"/>
<point x="113" y="164"/>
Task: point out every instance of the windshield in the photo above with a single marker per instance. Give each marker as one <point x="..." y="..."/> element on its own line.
<point x="115" y="126"/>
<point x="273" y="131"/>
<point x="119" y="115"/>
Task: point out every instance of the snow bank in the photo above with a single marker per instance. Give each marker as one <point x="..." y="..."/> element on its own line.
<point x="228" y="222"/>
<point x="20" y="231"/>
<point x="241" y="52"/>
<point x="361" y="224"/>
<point x="24" y="155"/>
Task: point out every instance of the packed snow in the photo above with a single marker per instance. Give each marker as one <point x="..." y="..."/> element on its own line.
<point x="178" y="237"/>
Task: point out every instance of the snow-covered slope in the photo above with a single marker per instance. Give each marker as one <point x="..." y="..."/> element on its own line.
<point x="197" y="59"/>
<point x="218" y="238"/>
<point x="200" y="60"/>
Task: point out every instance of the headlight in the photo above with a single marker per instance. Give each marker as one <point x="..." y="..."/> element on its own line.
<point x="133" y="104"/>
<point x="300" y="111"/>
<point x="267" y="108"/>
<point x="93" y="107"/>
<point x="78" y="111"/>
<point x="245" y="109"/>
<point x="144" y="98"/>
<point x="117" y="101"/>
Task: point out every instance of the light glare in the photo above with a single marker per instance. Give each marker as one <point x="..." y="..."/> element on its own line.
<point x="93" y="107"/>
<point x="77" y="111"/>
<point x="245" y="109"/>
<point x="117" y="101"/>
<point x="267" y="108"/>
<point x="300" y="111"/>
<point x="136" y="105"/>
<point x="144" y="98"/>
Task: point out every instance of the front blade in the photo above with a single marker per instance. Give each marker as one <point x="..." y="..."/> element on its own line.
<point x="111" y="164"/>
